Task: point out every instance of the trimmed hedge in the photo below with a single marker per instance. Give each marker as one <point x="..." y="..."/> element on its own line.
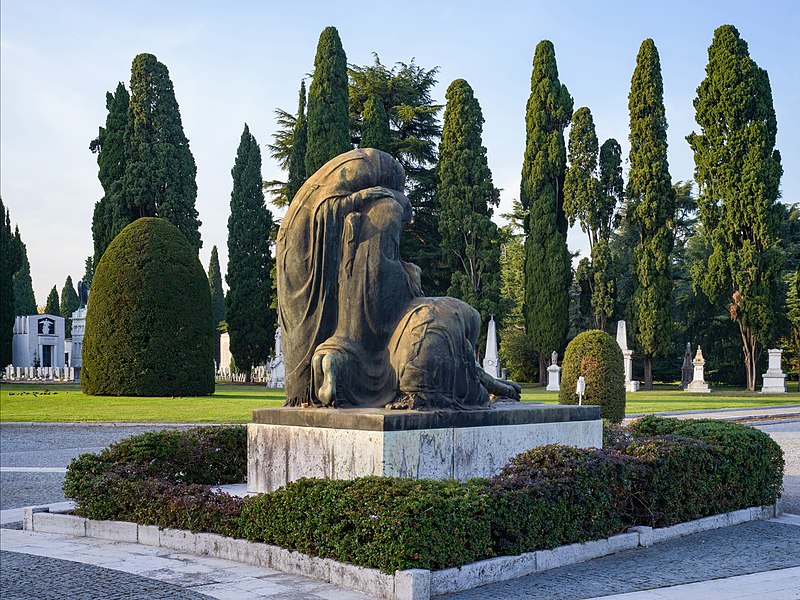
<point x="657" y="472"/>
<point x="597" y="356"/>
<point x="383" y="523"/>
<point x="149" y="330"/>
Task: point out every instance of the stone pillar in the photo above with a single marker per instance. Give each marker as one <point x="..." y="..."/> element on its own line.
<point x="774" y="379"/>
<point x="491" y="363"/>
<point x="698" y="383"/>
<point x="78" y="329"/>
<point x="554" y="375"/>
<point x="627" y="355"/>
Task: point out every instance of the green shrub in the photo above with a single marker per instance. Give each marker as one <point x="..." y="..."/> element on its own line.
<point x="674" y="480"/>
<point x="518" y="355"/>
<point x="597" y="357"/>
<point x="750" y="468"/>
<point x="149" y="330"/>
<point x="163" y="478"/>
<point x="553" y="495"/>
<point x="376" y="522"/>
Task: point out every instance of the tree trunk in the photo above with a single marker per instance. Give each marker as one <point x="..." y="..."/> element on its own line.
<point x="248" y="374"/>
<point x="752" y="351"/>
<point x="648" y="372"/>
<point x="542" y="370"/>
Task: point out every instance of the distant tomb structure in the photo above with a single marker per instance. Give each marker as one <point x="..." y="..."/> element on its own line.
<point x="38" y="341"/>
<point x="698" y="383"/>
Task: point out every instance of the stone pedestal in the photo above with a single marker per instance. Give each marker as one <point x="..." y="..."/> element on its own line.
<point x="774" y="379"/>
<point x="553" y="378"/>
<point x="78" y="330"/>
<point x="286" y="444"/>
<point x="698" y="383"/>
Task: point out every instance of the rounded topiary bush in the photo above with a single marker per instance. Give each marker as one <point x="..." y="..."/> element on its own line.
<point x="149" y="330"/>
<point x="597" y="356"/>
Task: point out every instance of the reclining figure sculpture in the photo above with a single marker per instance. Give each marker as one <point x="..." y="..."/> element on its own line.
<point x="357" y="330"/>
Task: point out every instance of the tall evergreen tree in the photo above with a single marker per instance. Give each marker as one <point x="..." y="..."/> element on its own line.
<point x="10" y="262"/>
<point x="52" y="306"/>
<point x="289" y="149"/>
<point x="738" y="173"/>
<point x="328" y="117"/>
<point x="24" y="298"/>
<point x="68" y="305"/>
<point x="251" y="321"/>
<point x="160" y="171"/>
<point x="548" y="270"/>
<point x="581" y="186"/>
<point x="112" y="213"/>
<point x="652" y="209"/>
<point x="217" y="297"/>
<point x="375" y="125"/>
<point x="470" y="239"/>
<point x="405" y="91"/>
<point x="88" y="273"/>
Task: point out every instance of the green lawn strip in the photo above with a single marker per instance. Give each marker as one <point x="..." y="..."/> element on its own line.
<point x="234" y="403"/>
<point x="66" y="403"/>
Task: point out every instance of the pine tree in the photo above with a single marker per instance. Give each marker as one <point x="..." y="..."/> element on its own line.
<point x="328" y="118"/>
<point x="375" y="126"/>
<point x="160" y="170"/>
<point x="69" y="304"/>
<point x="297" y="158"/>
<point x="217" y="297"/>
<point x="52" y="306"/>
<point x="548" y="270"/>
<point x="251" y="321"/>
<point x="652" y="208"/>
<point x="24" y="298"/>
<point x="470" y="239"/>
<point x="10" y="262"/>
<point x="738" y="173"/>
<point x="112" y="213"/>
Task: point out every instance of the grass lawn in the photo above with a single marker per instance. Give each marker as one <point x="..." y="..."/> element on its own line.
<point x="234" y="403"/>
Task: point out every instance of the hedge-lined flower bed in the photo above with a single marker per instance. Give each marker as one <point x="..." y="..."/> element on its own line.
<point x="658" y="472"/>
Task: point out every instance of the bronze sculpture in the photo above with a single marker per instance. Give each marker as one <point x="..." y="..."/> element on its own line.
<point x="358" y="331"/>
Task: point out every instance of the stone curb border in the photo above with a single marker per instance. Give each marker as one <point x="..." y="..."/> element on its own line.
<point x="410" y="584"/>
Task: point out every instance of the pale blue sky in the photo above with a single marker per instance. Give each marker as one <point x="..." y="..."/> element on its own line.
<point x="235" y="62"/>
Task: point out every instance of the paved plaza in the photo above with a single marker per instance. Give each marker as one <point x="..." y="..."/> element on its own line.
<point x="752" y="560"/>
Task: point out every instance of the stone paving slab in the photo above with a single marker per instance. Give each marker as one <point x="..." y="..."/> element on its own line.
<point x="742" y="549"/>
<point x="201" y="576"/>
<point x="781" y="584"/>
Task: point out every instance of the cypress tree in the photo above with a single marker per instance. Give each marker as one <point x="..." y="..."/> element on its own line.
<point x="738" y="173"/>
<point x="160" y="170"/>
<point x="69" y="304"/>
<point x="470" y="239"/>
<point x="10" y="262"/>
<point x="217" y="297"/>
<point x="548" y="270"/>
<point x="24" y="298"/>
<point x="375" y="125"/>
<point x="251" y="321"/>
<point x="581" y="187"/>
<point x="52" y="306"/>
<point x="88" y="273"/>
<point x="328" y="117"/>
<point x="112" y="213"/>
<point x="652" y="208"/>
<point x="297" y="158"/>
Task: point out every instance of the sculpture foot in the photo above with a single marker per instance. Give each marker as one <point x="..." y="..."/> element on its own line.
<point x="325" y="378"/>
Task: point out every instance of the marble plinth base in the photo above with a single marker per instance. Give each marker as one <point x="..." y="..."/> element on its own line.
<point x="286" y="444"/>
<point x="632" y="386"/>
<point x="774" y="384"/>
<point x="698" y="387"/>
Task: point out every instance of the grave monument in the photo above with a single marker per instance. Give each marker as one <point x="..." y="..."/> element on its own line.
<point x="553" y="374"/>
<point x="774" y="379"/>
<point x="381" y="379"/>
<point x="491" y="362"/>
<point x="631" y="385"/>
<point x="698" y="383"/>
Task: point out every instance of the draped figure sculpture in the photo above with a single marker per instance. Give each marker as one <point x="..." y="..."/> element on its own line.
<point x="357" y="330"/>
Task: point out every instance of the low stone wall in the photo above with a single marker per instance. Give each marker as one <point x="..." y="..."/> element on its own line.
<point x="410" y="584"/>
